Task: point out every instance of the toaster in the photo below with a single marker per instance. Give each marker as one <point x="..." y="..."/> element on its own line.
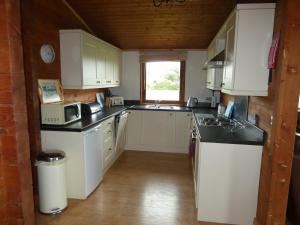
<point x="117" y="100"/>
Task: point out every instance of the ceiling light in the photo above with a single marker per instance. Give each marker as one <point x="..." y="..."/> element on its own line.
<point x="158" y="3"/>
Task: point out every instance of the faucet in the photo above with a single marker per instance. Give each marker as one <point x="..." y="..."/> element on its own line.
<point x="156" y="103"/>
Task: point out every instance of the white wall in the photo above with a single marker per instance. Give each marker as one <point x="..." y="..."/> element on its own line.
<point x="195" y="77"/>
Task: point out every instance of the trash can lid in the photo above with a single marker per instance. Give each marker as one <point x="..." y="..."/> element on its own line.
<point x="51" y="156"/>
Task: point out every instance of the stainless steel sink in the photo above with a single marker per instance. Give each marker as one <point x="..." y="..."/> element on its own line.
<point x="166" y="107"/>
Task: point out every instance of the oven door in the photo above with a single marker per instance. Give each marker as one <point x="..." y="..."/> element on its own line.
<point x="72" y="112"/>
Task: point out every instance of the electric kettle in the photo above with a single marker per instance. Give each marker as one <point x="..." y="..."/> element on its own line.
<point x="192" y="102"/>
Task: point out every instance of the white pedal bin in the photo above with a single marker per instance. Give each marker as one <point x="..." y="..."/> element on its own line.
<point x="52" y="181"/>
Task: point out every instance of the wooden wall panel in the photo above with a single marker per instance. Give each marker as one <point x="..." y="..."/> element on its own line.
<point x="16" y="195"/>
<point x="41" y="21"/>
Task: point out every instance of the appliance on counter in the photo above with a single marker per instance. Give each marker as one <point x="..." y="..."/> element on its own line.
<point x="117" y="100"/>
<point x="90" y="108"/>
<point x="93" y="107"/>
<point x="192" y="102"/>
<point x="59" y="113"/>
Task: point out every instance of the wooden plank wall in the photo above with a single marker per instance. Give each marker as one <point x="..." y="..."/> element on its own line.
<point x="16" y="195"/>
<point x="41" y="21"/>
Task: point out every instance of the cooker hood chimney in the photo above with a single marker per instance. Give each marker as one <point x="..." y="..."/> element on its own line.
<point x="216" y="62"/>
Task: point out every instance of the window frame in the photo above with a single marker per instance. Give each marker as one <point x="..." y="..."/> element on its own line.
<point x="181" y="85"/>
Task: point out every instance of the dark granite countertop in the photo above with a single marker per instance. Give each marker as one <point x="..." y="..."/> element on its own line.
<point x="249" y="135"/>
<point x="86" y="122"/>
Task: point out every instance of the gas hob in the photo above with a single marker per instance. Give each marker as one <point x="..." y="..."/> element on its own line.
<point x="209" y="120"/>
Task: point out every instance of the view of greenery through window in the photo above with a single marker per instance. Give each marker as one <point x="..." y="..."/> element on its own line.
<point x="163" y="80"/>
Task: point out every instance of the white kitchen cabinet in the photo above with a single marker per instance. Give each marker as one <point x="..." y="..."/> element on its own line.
<point x="87" y="62"/>
<point x="214" y="78"/>
<point x="83" y="153"/>
<point x="134" y="129"/>
<point x="228" y="182"/>
<point x="101" y="64"/>
<point x="248" y="32"/>
<point x="182" y="130"/>
<point x="160" y="131"/>
<point x="113" y="67"/>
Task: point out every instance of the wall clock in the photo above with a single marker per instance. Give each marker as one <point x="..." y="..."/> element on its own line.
<point x="47" y="53"/>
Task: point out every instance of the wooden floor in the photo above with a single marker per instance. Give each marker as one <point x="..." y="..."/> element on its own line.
<point x="141" y="188"/>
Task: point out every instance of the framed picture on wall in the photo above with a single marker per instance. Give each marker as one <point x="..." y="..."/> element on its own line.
<point x="50" y="91"/>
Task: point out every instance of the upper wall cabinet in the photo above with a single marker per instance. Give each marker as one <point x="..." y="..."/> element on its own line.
<point x="88" y="62"/>
<point x="248" y="33"/>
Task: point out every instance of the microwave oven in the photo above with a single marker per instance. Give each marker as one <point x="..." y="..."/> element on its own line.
<point x="60" y="113"/>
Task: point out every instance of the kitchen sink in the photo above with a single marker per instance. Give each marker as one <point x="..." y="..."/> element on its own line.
<point x="166" y="107"/>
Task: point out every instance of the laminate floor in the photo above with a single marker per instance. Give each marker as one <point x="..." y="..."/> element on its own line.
<point x="141" y="188"/>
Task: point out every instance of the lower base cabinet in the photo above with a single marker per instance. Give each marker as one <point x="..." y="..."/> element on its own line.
<point x="228" y="183"/>
<point x="108" y="143"/>
<point x="159" y="131"/>
<point x="89" y="155"/>
<point x="83" y="164"/>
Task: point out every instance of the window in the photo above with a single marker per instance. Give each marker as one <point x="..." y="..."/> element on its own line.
<point x="162" y="81"/>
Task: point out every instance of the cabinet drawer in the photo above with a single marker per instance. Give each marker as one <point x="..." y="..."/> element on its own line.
<point x="107" y="134"/>
<point x="108" y="150"/>
<point x="108" y="124"/>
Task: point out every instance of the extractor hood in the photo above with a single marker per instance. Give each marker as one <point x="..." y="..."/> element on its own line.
<point x="216" y="62"/>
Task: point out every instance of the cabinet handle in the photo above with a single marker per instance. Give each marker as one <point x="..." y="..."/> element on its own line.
<point x="188" y="115"/>
<point x="171" y="114"/>
<point x="222" y="84"/>
<point x="110" y="149"/>
<point x="108" y="81"/>
<point x="98" y="82"/>
<point x="117" y="81"/>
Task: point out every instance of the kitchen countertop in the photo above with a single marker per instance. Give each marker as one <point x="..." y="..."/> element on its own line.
<point x="249" y="135"/>
<point x="86" y="122"/>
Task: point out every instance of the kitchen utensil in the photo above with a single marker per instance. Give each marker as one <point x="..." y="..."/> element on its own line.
<point x="192" y="102"/>
<point x="221" y="109"/>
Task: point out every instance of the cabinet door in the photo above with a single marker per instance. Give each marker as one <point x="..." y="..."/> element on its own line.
<point x="92" y="159"/>
<point x="101" y="79"/>
<point x="210" y="77"/>
<point x="116" y="62"/>
<point x="158" y="129"/>
<point x="228" y="72"/>
<point x="89" y="61"/>
<point x="134" y="127"/>
<point x="182" y="130"/>
<point x="109" y="67"/>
